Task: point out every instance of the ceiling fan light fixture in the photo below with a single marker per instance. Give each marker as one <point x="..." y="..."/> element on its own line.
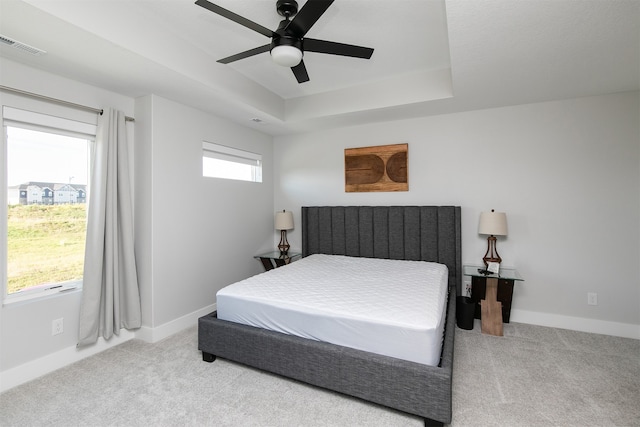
<point x="288" y="40"/>
<point x="287" y="56"/>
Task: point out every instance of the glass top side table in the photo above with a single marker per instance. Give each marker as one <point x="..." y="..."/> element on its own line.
<point x="494" y="293"/>
<point x="275" y="259"/>
<point x="504" y="273"/>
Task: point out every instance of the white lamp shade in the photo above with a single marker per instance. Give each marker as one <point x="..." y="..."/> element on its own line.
<point x="287" y="56"/>
<point x="493" y="223"/>
<point x="284" y="220"/>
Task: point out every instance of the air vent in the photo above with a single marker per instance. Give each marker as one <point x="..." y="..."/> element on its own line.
<point x="21" y="46"/>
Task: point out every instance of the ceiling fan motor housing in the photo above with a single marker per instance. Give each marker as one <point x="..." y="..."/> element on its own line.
<point x="286" y="50"/>
<point x="286" y="40"/>
<point x="286" y="56"/>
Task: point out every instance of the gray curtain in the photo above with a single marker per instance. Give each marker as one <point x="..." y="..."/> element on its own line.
<point x="110" y="294"/>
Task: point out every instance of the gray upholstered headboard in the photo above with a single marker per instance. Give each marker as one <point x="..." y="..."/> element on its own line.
<point x="420" y="233"/>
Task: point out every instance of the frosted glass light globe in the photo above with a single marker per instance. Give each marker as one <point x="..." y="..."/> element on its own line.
<point x="287" y="56"/>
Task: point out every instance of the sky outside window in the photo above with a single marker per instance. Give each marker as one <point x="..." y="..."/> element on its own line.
<point x="46" y="157"/>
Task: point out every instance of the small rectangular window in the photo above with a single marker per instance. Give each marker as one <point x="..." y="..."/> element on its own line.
<point x="219" y="161"/>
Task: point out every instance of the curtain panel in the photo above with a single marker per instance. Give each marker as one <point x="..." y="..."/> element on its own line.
<point x="110" y="294"/>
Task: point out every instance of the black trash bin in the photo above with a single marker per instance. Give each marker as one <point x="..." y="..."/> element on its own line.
<point x="465" y="310"/>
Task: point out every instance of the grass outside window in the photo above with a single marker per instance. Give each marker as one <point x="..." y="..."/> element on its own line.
<point x="45" y="245"/>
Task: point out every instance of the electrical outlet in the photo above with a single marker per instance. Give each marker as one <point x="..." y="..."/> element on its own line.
<point x="592" y="298"/>
<point x="57" y="326"/>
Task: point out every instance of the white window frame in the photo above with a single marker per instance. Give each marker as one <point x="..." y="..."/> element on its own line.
<point x="32" y="120"/>
<point x="232" y="155"/>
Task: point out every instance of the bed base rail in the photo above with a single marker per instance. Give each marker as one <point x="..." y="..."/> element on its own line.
<point x="406" y="386"/>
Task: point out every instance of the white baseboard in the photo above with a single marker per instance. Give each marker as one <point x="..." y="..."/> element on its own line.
<point x="44" y="365"/>
<point x="161" y="332"/>
<point x="36" y="368"/>
<point x="626" y="330"/>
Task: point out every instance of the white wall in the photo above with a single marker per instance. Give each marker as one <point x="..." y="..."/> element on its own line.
<point x="194" y="234"/>
<point x="567" y="174"/>
<point x="27" y="348"/>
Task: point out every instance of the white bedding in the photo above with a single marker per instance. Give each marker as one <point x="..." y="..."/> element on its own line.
<point x="389" y="307"/>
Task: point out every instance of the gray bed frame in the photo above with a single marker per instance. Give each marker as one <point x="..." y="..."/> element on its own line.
<point x="427" y="233"/>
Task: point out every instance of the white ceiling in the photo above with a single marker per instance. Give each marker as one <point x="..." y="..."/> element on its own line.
<point x="431" y="56"/>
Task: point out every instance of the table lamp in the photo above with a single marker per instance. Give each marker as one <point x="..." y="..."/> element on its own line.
<point x="284" y="222"/>
<point x="492" y="224"/>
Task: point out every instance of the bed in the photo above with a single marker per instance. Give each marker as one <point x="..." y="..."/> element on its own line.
<point x="413" y="233"/>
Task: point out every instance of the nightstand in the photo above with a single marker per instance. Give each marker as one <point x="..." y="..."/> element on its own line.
<point x="492" y="295"/>
<point x="275" y="259"/>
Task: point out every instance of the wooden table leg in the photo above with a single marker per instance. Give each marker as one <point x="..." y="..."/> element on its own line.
<point x="491" y="309"/>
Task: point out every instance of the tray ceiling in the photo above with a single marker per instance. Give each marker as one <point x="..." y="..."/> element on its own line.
<point x="431" y="56"/>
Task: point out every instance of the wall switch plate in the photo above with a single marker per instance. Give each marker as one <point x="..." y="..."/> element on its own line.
<point x="592" y="298"/>
<point x="57" y="326"/>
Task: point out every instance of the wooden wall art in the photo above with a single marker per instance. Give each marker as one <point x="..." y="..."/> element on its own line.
<point x="381" y="168"/>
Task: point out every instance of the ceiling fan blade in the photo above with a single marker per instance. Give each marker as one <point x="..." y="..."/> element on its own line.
<point x="307" y="16"/>
<point x="333" y="48"/>
<point x="235" y="18"/>
<point x="245" y="54"/>
<point x="300" y="71"/>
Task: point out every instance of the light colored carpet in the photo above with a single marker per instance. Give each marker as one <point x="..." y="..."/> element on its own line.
<point x="533" y="376"/>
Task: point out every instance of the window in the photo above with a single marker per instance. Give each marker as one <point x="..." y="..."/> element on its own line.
<point x="219" y="161"/>
<point x="47" y="163"/>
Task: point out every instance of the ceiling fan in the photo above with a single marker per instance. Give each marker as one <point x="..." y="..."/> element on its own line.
<point x="288" y="42"/>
